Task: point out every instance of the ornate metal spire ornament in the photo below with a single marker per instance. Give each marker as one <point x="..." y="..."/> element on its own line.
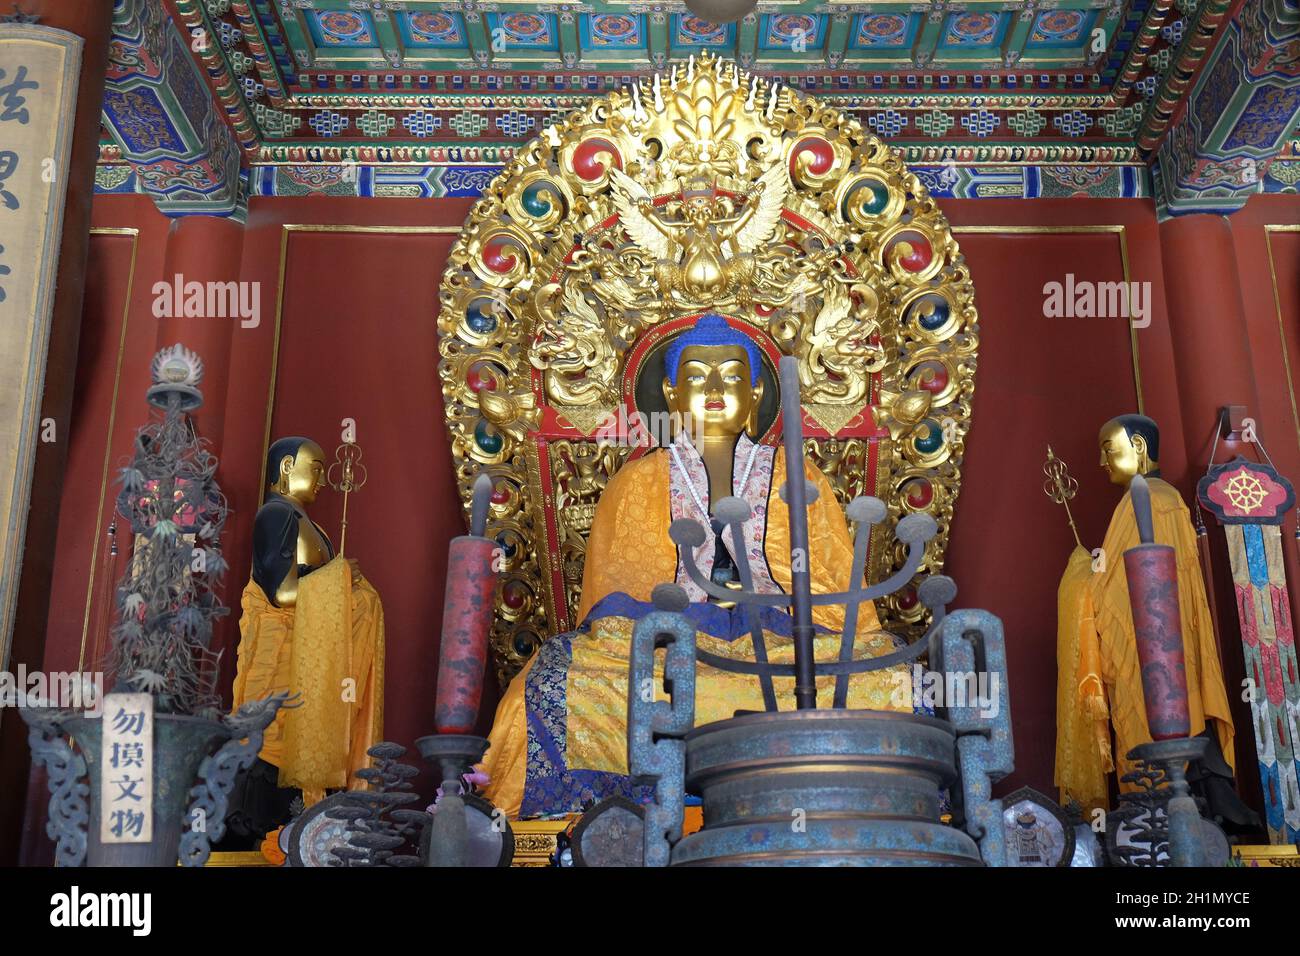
<point x="1060" y="487"/>
<point x="347" y="475"/>
<point x="166" y="603"/>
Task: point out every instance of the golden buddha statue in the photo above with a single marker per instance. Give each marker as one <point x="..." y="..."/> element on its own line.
<point x="312" y="625"/>
<point x="559" y="739"/>
<point x="1100" y="678"/>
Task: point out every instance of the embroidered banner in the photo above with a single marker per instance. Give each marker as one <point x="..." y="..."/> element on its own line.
<point x="39" y="68"/>
<point x="1250" y="500"/>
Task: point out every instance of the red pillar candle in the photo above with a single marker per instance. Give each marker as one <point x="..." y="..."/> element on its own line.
<point x="466" y="622"/>
<point x="1152" y="571"/>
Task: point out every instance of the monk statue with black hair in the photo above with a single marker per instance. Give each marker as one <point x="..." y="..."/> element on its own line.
<point x="1100" y="680"/>
<point x="311" y="625"/>
<point x="559" y="741"/>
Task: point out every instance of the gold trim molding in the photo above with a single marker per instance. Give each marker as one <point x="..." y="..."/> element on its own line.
<point x="1286" y="855"/>
<point x="1269" y="229"/>
<point x="96" y="544"/>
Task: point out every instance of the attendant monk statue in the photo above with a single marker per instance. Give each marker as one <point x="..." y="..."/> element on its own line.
<point x="1101" y="680"/>
<point x="311" y="625"/>
<point x="559" y="740"/>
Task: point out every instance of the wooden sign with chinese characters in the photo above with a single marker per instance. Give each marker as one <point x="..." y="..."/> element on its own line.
<point x="39" y="67"/>
<point x="126" y="770"/>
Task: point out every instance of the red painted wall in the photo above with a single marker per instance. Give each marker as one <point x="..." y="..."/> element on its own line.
<point x="357" y="339"/>
<point x="1047" y="380"/>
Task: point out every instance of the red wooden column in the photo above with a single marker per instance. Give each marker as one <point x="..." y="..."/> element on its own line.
<point x="1208" y="326"/>
<point x="205" y="250"/>
<point x="1214" y="368"/>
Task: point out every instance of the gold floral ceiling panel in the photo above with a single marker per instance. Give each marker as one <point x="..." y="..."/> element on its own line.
<point x="703" y="189"/>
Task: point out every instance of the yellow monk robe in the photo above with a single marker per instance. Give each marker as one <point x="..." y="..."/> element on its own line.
<point x="629" y="551"/>
<point x="334" y="633"/>
<point x="1111" y="640"/>
<point x="1083" y="753"/>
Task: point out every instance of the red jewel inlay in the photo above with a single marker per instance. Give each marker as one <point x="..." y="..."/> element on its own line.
<point x="513" y="596"/>
<point x="919" y="493"/>
<point x="907" y="598"/>
<point x="821" y="153"/>
<point x="478" y="378"/>
<point x="498" y="257"/>
<point x="914" y="252"/>
<point x="592" y="158"/>
<point x="763" y="308"/>
<point x="500" y="494"/>
<point x="933" y="378"/>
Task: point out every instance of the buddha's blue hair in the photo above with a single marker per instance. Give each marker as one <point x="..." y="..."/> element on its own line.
<point x="711" y="329"/>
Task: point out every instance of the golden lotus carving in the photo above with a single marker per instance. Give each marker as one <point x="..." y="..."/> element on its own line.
<point x="702" y="189"/>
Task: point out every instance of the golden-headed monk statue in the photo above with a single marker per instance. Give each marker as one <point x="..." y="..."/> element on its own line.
<point x="1100" y="683"/>
<point x="559" y="740"/>
<point x="311" y="625"/>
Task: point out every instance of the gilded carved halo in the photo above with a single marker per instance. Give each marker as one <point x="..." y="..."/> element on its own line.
<point x="703" y="189"/>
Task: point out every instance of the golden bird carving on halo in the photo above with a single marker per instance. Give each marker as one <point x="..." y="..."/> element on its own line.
<point x="702" y="243"/>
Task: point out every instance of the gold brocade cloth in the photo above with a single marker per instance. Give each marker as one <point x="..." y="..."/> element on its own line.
<point x="1083" y="753"/>
<point x="330" y="649"/>
<point x="597" y="686"/>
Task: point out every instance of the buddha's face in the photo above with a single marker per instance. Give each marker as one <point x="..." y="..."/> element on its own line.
<point x="1122" y="456"/>
<point x="302" y="475"/>
<point x="714" y="391"/>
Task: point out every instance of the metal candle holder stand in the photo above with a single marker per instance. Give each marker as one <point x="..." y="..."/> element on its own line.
<point x="1186" y="838"/>
<point x="453" y="751"/>
<point x="1151" y="574"/>
<point x="452" y="755"/>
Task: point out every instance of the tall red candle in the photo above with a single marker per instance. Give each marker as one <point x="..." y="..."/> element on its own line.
<point x="1152" y="572"/>
<point x="466" y="623"/>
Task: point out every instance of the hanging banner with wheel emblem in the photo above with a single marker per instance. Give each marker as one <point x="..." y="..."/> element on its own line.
<point x="1250" y="500"/>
